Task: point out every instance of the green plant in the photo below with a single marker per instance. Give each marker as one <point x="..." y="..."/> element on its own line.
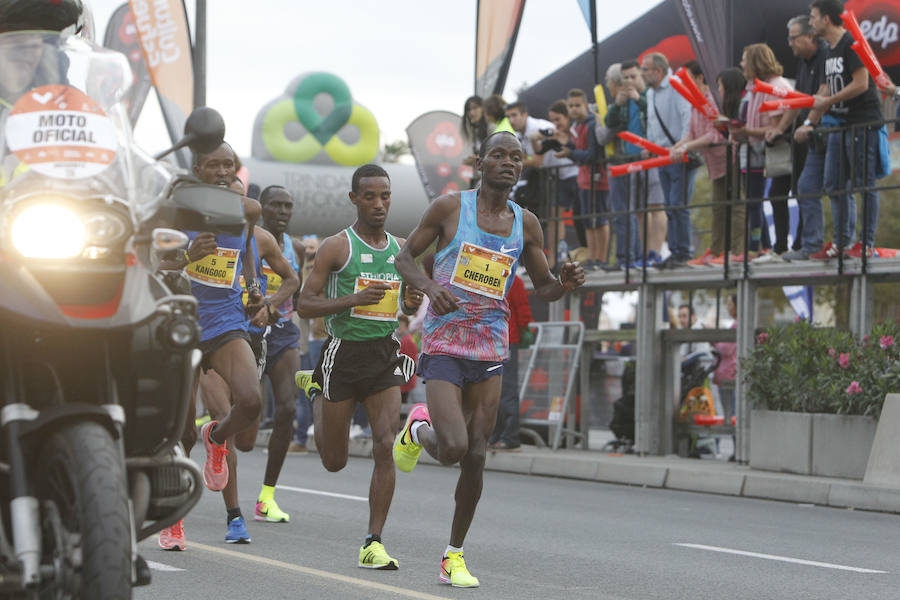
<point x="803" y="368"/>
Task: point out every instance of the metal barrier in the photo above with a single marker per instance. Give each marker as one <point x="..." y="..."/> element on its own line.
<point x="546" y="386"/>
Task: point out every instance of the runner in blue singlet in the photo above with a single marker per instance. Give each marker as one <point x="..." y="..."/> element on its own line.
<point x="217" y="392"/>
<point x="283" y="358"/>
<point x="214" y="264"/>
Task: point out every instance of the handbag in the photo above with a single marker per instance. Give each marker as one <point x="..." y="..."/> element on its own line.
<point x="778" y="158"/>
<point x="694" y="161"/>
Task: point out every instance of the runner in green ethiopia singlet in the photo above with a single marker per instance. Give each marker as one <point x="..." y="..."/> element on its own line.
<point x="365" y="266"/>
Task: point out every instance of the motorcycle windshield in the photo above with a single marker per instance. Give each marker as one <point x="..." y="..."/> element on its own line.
<point x="64" y="126"/>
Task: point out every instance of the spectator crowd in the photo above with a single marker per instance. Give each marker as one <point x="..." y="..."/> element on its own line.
<point x="835" y="148"/>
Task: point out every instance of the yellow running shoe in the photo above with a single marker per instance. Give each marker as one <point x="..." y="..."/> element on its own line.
<point x="374" y="556"/>
<point x="454" y="571"/>
<point x="406" y="452"/>
<point x="268" y="511"/>
<point x="304" y="381"/>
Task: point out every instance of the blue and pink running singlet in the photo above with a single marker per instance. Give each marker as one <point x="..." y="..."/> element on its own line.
<point x="478" y="268"/>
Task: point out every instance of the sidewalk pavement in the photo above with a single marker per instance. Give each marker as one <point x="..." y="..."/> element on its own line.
<point x="674" y="473"/>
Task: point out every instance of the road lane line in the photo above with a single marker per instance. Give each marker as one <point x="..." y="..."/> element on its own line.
<point x="161" y="567"/>
<point x="372" y="585"/>
<point x="788" y="559"/>
<point x="321" y="493"/>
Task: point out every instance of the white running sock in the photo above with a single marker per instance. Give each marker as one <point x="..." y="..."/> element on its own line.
<point x="452" y="549"/>
<point x="413" y="431"/>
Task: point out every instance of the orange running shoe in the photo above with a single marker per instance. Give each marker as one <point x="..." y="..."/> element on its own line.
<point x="172" y="538"/>
<point x="215" y="471"/>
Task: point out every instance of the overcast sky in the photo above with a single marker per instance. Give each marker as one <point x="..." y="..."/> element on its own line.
<point x="400" y="58"/>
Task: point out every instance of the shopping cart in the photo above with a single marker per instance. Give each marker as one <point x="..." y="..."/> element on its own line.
<point x="546" y="384"/>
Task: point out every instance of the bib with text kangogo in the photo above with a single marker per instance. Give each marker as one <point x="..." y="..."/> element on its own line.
<point x="482" y="271"/>
<point x="215" y="270"/>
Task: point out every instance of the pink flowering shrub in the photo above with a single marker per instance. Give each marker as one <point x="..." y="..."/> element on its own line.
<point x="803" y="368"/>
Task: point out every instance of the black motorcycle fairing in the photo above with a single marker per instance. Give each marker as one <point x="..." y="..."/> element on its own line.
<point x="49" y="419"/>
<point x="50" y="294"/>
<point x="24" y="297"/>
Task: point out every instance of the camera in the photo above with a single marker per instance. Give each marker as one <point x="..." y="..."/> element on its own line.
<point x="551" y="144"/>
<point x="546" y="132"/>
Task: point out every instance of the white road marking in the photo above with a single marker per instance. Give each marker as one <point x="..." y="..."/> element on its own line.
<point x="161" y="567"/>
<point x="321" y="493"/>
<point x="788" y="559"/>
<point x="269" y="563"/>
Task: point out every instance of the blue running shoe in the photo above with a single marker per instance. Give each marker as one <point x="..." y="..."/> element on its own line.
<point x="237" y="532"/>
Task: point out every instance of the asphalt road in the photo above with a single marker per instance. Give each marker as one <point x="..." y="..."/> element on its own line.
<point x="533" y="537"/>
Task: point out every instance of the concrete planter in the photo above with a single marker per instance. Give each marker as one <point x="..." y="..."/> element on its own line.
<point x="811" y="444"/>
<point x="841" y="445"/>
<point x="781" y="441"/>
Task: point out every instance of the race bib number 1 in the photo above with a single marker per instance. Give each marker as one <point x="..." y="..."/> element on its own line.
<point x="482" y="271"/>
<point x="386" y="310"/>
<point x="215" y="270"/>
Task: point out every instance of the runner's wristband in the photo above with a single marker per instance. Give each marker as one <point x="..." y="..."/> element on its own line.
<point x="404" y="308"/>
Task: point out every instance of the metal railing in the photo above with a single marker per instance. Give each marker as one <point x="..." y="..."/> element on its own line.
<point x="737" y="183"/>
<point x="654" y="350"/>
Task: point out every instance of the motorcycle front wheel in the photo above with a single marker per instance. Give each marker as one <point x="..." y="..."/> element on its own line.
<point x="82" y="473"/>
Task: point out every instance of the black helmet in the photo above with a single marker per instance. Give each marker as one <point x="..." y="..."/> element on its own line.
<point x="45" y="15"/>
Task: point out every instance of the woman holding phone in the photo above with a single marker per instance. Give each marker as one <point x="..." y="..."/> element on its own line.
<point x="708" y="138"/>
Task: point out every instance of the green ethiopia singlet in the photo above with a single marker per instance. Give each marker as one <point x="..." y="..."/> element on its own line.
<point x="364" y="267"/>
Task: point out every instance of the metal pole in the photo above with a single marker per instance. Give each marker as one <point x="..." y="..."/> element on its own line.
<point x="200" y="53"/>
<point x="594" y="49"/>
<point x="475" y="70"/>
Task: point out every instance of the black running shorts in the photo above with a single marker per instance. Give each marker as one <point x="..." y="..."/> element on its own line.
<point x="355" y="370"/>
<point x="212" y="345"/>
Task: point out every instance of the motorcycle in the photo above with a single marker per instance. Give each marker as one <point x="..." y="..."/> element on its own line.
<point x="98" y="356"/>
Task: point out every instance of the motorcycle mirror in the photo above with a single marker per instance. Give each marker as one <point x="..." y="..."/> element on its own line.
<point x="204" y="131"/>
<point x="202" y="207"/>
<point x="166" y="240"/>
<point x="165" y="245"/>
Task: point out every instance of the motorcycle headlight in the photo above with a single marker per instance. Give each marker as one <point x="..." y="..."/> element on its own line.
<point x="103" y="228"/>
<point x="48" y="231"/>
<point x="53" y="229"/>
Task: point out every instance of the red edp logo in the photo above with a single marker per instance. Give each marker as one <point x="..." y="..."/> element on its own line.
<point x="879" y="21"/>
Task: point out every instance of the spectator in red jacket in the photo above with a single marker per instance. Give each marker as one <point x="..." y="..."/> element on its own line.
<point x="410" y="348"/>
<point x="506" y="431"/>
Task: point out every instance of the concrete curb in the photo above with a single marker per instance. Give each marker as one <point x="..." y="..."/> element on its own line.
<point x="674" y="473"/>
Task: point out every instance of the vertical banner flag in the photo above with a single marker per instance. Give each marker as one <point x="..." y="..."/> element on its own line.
<point x="162" y="28"/>
<point x="585" y="6"/>
<point x="437" y="146"/>
<point x="708" y="25"/>
<point x="121" y="36"/>
<point x="497" y="27"/>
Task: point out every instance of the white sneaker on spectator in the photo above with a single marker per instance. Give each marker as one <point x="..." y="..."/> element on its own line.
<point x="795" y="255"/>
<point x="768" y="258"/>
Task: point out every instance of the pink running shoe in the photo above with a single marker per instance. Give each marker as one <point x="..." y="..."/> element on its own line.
<point x="215" y="471"/>
<point x="172" y="538"/>
<point x="406" y="451"/>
